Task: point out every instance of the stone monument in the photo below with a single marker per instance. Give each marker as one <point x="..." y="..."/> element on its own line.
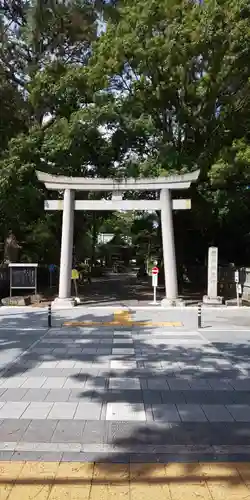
<point x="212" y="297"/>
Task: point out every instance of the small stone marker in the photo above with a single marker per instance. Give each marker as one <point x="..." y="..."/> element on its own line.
<point x="155" y="272"/>
<point x="212" y="278"/>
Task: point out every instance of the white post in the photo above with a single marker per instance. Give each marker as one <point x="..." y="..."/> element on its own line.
<point x="64" y="299"/>
<point x="171" y="287"/>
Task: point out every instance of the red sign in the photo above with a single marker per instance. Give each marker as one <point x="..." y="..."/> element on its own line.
<point x="155" y="270"/>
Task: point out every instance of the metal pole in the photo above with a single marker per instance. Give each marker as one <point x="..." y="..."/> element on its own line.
<point x="237" y="294"/>
<point x="155" y="294"/>
<point x="199" y="315"/>
<point x="49" y="316"/>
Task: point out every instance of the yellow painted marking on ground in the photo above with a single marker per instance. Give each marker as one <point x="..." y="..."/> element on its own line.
<point x="88" y="481"/>
<point x="123" y="320"/>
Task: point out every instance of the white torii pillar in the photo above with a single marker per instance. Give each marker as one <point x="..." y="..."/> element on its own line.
<point x="64" y="299"/>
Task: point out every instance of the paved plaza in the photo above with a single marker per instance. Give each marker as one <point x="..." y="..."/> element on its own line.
<point x="124" y="393"/>
<point x="161" y="411"/>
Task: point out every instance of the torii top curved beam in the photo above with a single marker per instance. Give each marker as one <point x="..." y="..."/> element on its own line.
<point x="59" y="182"/>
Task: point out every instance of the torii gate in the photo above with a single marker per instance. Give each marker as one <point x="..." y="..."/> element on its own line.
<point x="164" y="203"/>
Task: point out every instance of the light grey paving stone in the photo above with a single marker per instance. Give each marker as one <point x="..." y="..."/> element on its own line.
<point x="12" y="409"/>
<point x="220" y="385"/>
<point x="88" y="411"/>
<point x="159" y="384"/>
<point x="125" y="411"/>
<point x="33" y="382"/>
<point x="122" y="364"/>
<point x="2" y="392"/>
<point x="191" y="413"/>
<point x="37" y="410"/>
<point x="48" y="364"/>
<point x="57" y="395"/>
<point x="217" y="413"/>
<point x="66" y="363"/>
<point x="103" y="351"/>
<point x="59" y="350"/>
<point x="176" y="384"/>
<point x="39" y="430"/>
<point x="240" y="413"/>
<point x="165" y="413"/>
<point x="12" y="382"/>
<point x="124" y="383"/>
<point x="122" y="341"/>
<point x="62" y="411"/>
<point x="13" y="394"/>
<point x="35" y="395"/>
<point x="13" y="429"/>
<point x="77" y="395"/>
<point x="74" y="383"/>
<point x="95" y="383"/>
<point x="5" y="456"/>
<point x="54" y="383"/>
<point x="65" y="433"/>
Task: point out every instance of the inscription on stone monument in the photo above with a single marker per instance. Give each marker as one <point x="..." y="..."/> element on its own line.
<point x="212" y="282"/>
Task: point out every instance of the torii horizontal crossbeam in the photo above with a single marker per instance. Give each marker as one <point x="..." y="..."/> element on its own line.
<point x="102" y="205"/>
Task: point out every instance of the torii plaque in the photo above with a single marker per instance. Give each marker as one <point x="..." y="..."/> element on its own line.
<point x="162" y="185"/>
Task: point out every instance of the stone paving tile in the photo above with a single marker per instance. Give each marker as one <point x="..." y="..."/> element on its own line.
<point x="125" y="411"/>
<point x="13" y="429"/>
<point x="220" y="385"/>
<point x="122" y="364"/>
<point x="74" y="383"/>
<point x="165" y="413"/>
<point x="151" y="397"/>
<point x="88" y="411"/>
<point x="54" y="383"/>
<point x="124" y="383"/>
<point x="191" y="413"/>
<point x="13" y="394"/>
<point x="35" y="395"/>
<point x="39" y="430"/>
<point x="95" y="432"/>
<point x="37" y="410"/>
<point x="159" y="384"/>
<point x="217" y="413"/>
<point x="36" y="456"/>
<point x="240" y="413"/>
<point x="12" y="409"/>
<point x="12" y="382"/>
<point x="58" y="395"/>
<point x="65" y="433"/>
<point x="178" y="384"/>
<point x="62" y="411"/>
<point x="174" y="397"/>
<point x="33" y="382"/>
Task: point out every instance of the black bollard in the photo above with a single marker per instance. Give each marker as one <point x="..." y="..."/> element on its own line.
<point x="49" y="316"/>
<point x="199" y="315"/>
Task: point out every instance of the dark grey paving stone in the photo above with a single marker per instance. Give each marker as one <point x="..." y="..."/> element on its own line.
<point x="79" y="395"/>
<point x="36" y="456"/>
<point x="151" y="397"/>
<point x="13" y="429"/>
<point x="40" y="431"/>
<point x="13" y="394"/>
<point x="5" y="455"/>
<point x="119" y="396"/>
<point x="35" y="395"/>
<point x="69" y="432"/>
<point x="209" y="397"/>
<point x="58" y="395"/>
<point x="81" y="457"/>
<point x="95" y="432"/>
<point x="173" y="397"/>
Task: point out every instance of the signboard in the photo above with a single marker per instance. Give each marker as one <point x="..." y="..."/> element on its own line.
<point x="155" y="271"/>
<point x="236" y="277"/>
<point x="75" y="274"/>
<point x="23" y="276"/>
